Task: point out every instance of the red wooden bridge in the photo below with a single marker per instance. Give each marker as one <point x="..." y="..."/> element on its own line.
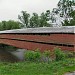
<point x="45" y="38"/>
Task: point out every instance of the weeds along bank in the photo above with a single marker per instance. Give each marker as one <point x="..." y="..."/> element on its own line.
<point x="47" y="56"/>
<point x="37" y="68"/>
<point x="37" y="63"/>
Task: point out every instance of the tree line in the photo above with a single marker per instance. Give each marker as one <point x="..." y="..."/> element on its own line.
<point x="33" y="21"/>
<point x="8" y="25"/>
<point x="65" y="10"/>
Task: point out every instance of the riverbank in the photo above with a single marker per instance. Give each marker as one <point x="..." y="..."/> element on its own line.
<point x="11" y="55"/>
<point x="37" y="68"/>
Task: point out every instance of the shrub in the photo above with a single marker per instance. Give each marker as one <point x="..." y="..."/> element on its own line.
<point x="59" y="54"/>
<point x="47" y="53"/>
<point x="33" y="55"/>
<point x="70" y="54"/>
<point x="46" y="56"/>
<point x="37" y="55"/>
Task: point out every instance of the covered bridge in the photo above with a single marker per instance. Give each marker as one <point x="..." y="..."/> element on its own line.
<point x="43" y="38"/>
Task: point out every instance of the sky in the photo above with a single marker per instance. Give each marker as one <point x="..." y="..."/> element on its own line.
<point x="10" y="9"/>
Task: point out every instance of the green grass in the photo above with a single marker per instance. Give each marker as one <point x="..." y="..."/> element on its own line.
<point x="33" y="68"/>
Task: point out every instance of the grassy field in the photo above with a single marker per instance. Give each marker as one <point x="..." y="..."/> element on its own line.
<point x="33" y="68"/>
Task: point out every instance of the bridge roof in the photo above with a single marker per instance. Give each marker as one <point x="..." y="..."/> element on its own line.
<point x="64" y="29"/>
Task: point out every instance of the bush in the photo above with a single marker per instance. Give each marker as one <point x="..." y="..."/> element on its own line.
<point x="46" y="55"/>
<point x="37" y="55"/>
<point x="33" y="55"/>
<point x="70" y="54"/>
<point x="59" y="54"/>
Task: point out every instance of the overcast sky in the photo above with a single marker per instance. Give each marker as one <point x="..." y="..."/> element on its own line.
<point x="10" y="9"/>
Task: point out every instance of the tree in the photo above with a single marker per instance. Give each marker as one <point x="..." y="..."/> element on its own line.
<point x="8" y="25"/>
<point x="44" y="18"/>
<point x="47" y="15"/>
<point x="54" y="12"/>
<point x="67" y="12"/>
<point x="65" y="7"/>
<point x="24" y="19"/>
<point x="13" y="25"/>
<point x="4" y="23"/>
<point x="70" y="22"/>
<point x="34" y="20"/>
<point x="66" y="23"/>
<point x="0" y="26"/>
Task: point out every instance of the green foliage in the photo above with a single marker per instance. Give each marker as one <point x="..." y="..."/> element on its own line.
<point x="8" y="25"/>
<point x="66" y="23"/>
<point x="70" y="54"/>
<point x="32" y="68"/>
<point x="29" y="55"/>
<point x="13" y="25"/>
<point x="24" y="19"/>
<point x="65" y="6"/>
<point x="32" y="56"/>
<point x="72" y="14"/>
<point x="67" y="12"/>
<point x="4" y="25"/>
<point x="46" y="56"/>
<point x="33" y="21"/>
<point x="47" y="53"/>
<point x="59" y="55"/>
<point x="44" y="18"/>
<point x="38" y="56"/>
<point x="70" y="22"/>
